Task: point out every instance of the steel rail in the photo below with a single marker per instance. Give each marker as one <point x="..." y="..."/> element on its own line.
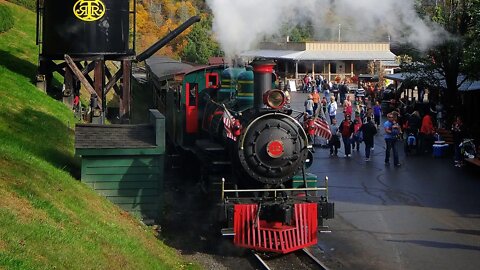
<point x="264" y="264"/>
<point x="315" y="259"/>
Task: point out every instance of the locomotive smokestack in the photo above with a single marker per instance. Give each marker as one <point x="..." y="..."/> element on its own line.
<point x="262" y="81"/>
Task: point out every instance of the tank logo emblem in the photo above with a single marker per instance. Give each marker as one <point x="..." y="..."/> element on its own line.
<point x="89" y="10"/>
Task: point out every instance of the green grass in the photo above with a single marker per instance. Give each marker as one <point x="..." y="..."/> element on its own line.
<point x="6" y="18"/>
<point x="48" y="219"/>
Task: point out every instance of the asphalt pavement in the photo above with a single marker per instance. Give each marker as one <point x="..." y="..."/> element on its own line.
<point x="422" y="215"/>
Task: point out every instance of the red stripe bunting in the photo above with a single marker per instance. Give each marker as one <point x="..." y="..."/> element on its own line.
<point x="322" y="129"/>
<point x="228" y="122"/>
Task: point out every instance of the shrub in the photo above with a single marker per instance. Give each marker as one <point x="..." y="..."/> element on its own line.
<point x="6" y="18"/>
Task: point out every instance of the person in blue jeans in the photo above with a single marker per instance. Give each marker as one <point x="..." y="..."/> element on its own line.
<point x="392" y="130"/>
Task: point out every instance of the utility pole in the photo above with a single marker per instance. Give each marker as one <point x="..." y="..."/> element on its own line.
<point x="339" y="31"/>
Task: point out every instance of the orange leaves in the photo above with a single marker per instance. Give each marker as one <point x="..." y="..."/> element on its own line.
<point x="156" y="18"/>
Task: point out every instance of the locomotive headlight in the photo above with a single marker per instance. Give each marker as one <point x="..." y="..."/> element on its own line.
<point x="275" y="149"/>
<point x="275" y="99"/>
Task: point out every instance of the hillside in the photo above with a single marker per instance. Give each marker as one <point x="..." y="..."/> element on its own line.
<point x="48" y="219"/>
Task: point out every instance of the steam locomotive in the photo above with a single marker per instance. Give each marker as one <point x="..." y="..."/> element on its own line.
<point x="252" y="148"/>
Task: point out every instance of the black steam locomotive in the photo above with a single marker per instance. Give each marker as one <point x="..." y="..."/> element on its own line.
<point x="232" y="119"/>
<point x="250" y="145"/>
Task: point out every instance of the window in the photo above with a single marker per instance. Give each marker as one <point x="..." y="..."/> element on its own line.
<point x="211" y="80"/>
<point x="192" y="94"/>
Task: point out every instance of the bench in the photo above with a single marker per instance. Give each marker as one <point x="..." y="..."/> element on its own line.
<point x="474" y="161"/>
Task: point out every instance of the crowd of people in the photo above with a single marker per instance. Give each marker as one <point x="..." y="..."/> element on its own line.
<point x="362" y="121"/>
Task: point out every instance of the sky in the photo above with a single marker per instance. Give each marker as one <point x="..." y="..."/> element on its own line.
<point x="240" y="25"/>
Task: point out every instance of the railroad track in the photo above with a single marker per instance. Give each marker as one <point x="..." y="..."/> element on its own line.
<point x="295" y="260"/>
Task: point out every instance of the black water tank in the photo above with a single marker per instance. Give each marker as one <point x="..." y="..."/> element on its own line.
<point x="85" y="27"/>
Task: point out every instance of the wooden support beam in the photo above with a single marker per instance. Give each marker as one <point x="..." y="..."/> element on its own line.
<point x="82" y="78"/>
<point x="113" y="81"/>
<point x="99" y="81"/>
<point x="56" y="67"/>
<point x="125" y="99"/>
<point x="88" y="68"/>
<point x="329" y="71"/>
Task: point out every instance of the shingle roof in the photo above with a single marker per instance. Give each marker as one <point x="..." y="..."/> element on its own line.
<point x="467" y="85"/>
<point x="92" y="136"/>
<point x="321" y="55"/>
<point x="164" y="67"/>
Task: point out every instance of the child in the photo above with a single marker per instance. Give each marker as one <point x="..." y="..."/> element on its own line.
<point x="377" y="113"/>
<point x="309" y="105"/>
<point x="334" y="142"/>
<point x="357" y="139"/>
<point x="324" y="105"/>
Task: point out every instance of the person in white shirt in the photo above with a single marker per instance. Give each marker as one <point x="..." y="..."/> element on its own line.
<point x="332" y="109"/>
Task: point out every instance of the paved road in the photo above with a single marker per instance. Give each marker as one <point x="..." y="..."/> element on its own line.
<point x="423" y="215"/>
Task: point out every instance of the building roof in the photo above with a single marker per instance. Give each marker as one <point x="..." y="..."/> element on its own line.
<point x="322" y="50"/>
<point x="164" y="67"/>
<point x="469" y="86"/>
<point x="92" y="136"/>
<point x="465" y="86"/>
<point x="321" y="55"/>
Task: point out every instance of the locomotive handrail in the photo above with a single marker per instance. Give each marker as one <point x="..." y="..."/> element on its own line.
<point x="274" y="189"/>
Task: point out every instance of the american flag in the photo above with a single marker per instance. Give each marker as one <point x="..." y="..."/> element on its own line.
<point x="322" y="129"/>
<point x="228" y="121"/>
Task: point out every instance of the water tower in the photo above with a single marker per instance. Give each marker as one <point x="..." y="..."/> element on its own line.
<point x="77" y="37"/>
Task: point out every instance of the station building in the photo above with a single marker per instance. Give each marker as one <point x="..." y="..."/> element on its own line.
<point x="332" y="60"/>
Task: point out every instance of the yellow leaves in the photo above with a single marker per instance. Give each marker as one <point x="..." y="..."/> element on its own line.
<point x="156" y="18"/>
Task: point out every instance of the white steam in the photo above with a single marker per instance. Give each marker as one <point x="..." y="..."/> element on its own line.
<point x="240" y="25"/>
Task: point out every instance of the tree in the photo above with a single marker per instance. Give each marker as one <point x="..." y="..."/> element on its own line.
<point x="156" y="18"/>
<point x="457" y="54"/>
<point x="471" y="65"/>
<point x="200" y="43"/>
<point x="297" y="33"/>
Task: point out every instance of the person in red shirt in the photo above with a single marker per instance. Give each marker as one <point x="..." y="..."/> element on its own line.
<point x="346" y="129"/>
<point x="425" y="136"/>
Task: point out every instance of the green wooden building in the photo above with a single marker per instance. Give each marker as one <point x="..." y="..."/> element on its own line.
<point x="125" y="163"/>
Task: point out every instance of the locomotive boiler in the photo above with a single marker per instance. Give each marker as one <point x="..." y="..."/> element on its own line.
<point x="267" y="144"/>
<point x="251" y="147"/>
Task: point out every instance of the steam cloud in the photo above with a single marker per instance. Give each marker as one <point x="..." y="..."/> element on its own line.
<point x="240" y="24"/>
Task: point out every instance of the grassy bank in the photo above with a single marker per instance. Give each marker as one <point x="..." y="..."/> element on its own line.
<point x="48" y="219"/>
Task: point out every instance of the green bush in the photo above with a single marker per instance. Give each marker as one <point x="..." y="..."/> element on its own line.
<point x="30" y="4"/>
<point x="6" y="19"/>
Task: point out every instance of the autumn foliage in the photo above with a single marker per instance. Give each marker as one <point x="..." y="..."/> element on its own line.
<point x="156" y="18"/>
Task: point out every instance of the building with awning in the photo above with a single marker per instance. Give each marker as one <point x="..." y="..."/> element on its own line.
<point x="332" y="60"/>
